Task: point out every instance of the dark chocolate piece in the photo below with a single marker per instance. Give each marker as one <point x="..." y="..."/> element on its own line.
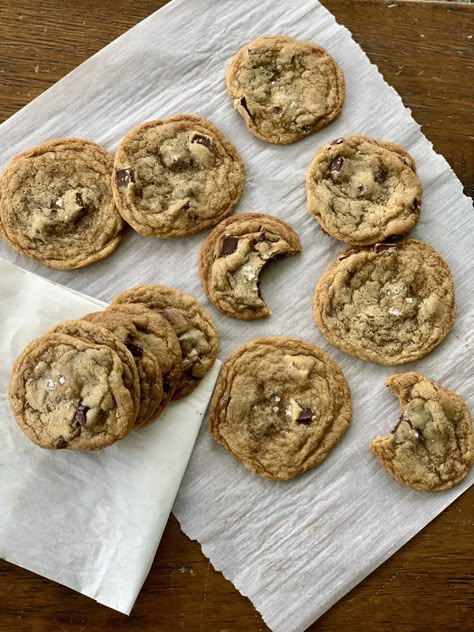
<point x="229" y="245"/>
<point x="123" y="177"/>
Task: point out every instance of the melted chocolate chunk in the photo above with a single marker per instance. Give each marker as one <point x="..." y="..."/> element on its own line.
<point x="243" y="103"/>
<point x="305" y="417"/>
<point x="166" y="386"/>
<point x="80" y="417"/>
<point x="277" y="109"/>
<point x="415" y="205"/>
<point x="80" y="202"/>
<point x="123" y="177"/>
<point x="390" y="242"/>
<point x="135" y="350"/>
<point x="229" y="245"/>
<point x="305" y="128"/>
<point x="200" y="139"/>
<point x="61" y="443"/>
<point x="336" y="164"/>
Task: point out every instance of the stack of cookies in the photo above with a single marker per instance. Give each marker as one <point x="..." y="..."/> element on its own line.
<point x="86" y="383"/>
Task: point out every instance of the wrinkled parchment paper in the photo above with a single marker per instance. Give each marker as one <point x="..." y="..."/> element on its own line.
<point x="90" y="521"/>
<point x="293" y="548"/>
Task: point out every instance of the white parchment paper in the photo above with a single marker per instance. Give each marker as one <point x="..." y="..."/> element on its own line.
<point x="293" y="548"/>
<point x="68" y="515"/>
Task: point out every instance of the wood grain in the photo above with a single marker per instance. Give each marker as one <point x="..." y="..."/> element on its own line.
<point x="425" y="50"/>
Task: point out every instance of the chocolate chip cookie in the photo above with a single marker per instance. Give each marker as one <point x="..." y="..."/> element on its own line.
<point x="233" y="256"/>
<point x="69" y="393"/>
<point x="279" y="406"/>
<point x="176" y="176"/>
<point x="57" y="206"/>
<point x="285" y="88"/>
<point x="363" y="190"/>
<point x="390" y="303"/>
<point x="194" y="327"/>
<point x="93" y="333"/>
<point x="432" y="446"/>
<point x="149" y="374"/>
<point x="158" y="337"/>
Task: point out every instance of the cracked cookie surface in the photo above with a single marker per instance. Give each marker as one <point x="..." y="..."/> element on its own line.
<point x="57" y="206"/>
<point x="192" y="324"/>
<point x="284" y="88"/>
<point x="362" y="190"/>
<point x="233" y="256"/>
<point x="390" y="303"/>
<point x="176" y="176"/>
<point x="148" y="369"/>
<point x="93" y="333"/>
<point x="279" y="406"/>
<point x="158" y="337"/>
<point x="432" y="446"/>
<point x="68" y="393"/>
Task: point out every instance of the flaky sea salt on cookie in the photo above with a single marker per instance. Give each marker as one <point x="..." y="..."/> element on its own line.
<point x="176" y="176"/>
<point x="284" y="88"/>
<point x="57" y="206"/>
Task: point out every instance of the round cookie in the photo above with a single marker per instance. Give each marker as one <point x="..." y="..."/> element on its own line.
<point x="432" y="446"/>
<point x="279" y="406"/>
<point x="159" y="338"/>
<point x="68" y="393"/>
<point x="176" y="176"/>
<point x="194" y="327"/>
<point x="92" y="333"/>
<point x="233" y="256"/>
<point x="149" y="374"/>
<point x="285" y="88"/>
<point x="390" y="303"/>
<point x="57" y="206"/>
<point x="362" y="190"/>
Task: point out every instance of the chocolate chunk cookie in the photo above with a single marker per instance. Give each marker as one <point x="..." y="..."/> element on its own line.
<point x="194" y="327"/>
<point x="279" y="406"/>
<point x="158" y="337"/>
<point x="149" y="374"/>
<point x="285" y="88"/>
<point x="432" y="446"/>
<point x="69" y="393"/>
<point x="233" y="256"/>
<point x="176" y="176"/>
<point x="93" y="333"/>
<point x="57" y="206"/>
<point x="363" y="190"/>
<point x="390" y="303"/>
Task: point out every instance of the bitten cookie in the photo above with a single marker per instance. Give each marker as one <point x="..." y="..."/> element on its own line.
<point x="233" y="256"/>
<point x="279" y="406"/>
<point x="148" y="368"/>
<point x="159" y="338"/>
<point x="194" y="327"/>
<point x="176" y="176"/>
<point x="390" y="303"/>
<point x="68" y="393"/>
<point x="432" y="446"/>
<point x="285" y="88"/>
<point x="363" y="190"/>
<point x="56" y="204"/>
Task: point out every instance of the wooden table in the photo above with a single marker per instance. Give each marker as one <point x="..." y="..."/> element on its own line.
<point x="426" y="51"/>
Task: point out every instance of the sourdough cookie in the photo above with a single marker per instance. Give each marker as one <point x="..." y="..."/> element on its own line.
<point x="92" y="333"/>
<point x="149" y="374"/>
<point x="57" y="206"/>
<point x="432" y="446"/>
<point x="362" y="190"/>
<point x="69" y="393"/>
<point x="159" y="338"/>
<point x="279" y="406"/>
<point x="194" y="327"/>
<point x="233" y="256"/>
<point x="390" y="303"/>
<point x="285" y="88"/>
<point x="176" y="176"/>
